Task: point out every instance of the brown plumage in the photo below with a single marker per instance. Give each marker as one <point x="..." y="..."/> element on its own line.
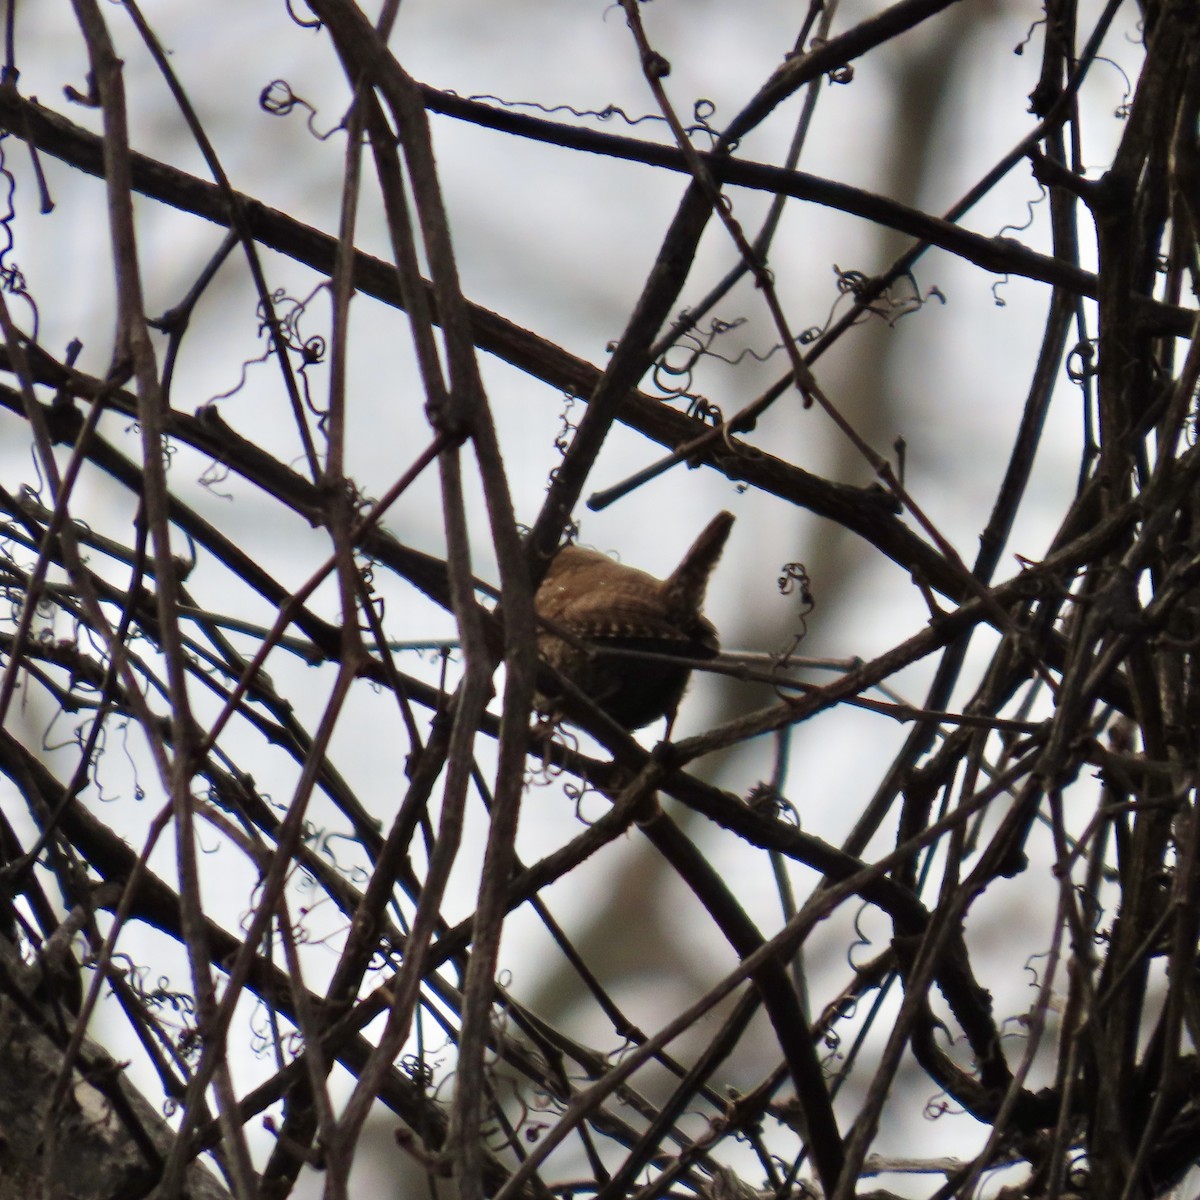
<point x="614" y="607"/>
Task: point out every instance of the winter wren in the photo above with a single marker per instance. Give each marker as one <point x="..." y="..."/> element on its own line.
<point x="613" y="608"/>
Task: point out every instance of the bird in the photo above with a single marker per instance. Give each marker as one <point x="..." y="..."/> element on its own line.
<point x="607" y="607"/>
